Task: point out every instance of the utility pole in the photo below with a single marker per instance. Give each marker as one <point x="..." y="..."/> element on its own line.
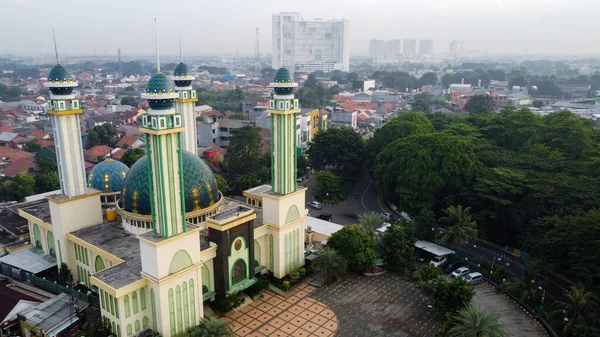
<point x="257" y="52"/>
<point x="120" y="63"/>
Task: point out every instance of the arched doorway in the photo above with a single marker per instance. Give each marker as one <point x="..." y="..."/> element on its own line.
<point x="239" y="272"/>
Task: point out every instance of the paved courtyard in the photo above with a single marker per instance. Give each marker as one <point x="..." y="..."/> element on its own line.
<point x="385" y="305"/>
<point x="515" y="320"/>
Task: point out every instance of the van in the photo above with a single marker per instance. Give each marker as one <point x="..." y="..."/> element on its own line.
<point x="473" y="278"/>
<point x="438" y="261"/>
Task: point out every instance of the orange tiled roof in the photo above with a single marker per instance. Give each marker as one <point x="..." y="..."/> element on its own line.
<point x="14" y="154"/>
<point x="127" y="141"/>
<point x="98" y="150"/>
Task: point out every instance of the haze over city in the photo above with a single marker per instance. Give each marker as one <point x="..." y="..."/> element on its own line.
<point x="556" y="27"/>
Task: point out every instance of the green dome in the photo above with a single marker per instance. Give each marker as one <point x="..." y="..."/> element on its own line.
<point x="60" y="81"/>
<point x="159" y="85"/>
<point x="58" y="73"/>
<point x="108" y="176"/>
<point x="283" y="76"/>
<point x="181" y="70"/>
<point x="200" y="186"/>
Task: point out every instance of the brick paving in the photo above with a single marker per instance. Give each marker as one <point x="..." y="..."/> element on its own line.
<point x="279" y="316"/>
<point x="385" y="305"/>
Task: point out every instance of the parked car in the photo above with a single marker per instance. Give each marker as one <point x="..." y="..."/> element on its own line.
<point x="451" y="266"/>
<point x="438" y="261"/>
<point x="473" y="278"/>
<point x="325" y="216"/>
<point x="386" y="216"/>
<point x="459" y="272"/>
<point x="315" y="204"/>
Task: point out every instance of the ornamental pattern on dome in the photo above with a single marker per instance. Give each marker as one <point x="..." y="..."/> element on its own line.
<point x="158" y="85"/>
<point x="181" y="70"/>
<point x="108" y="176"/>
<point x="200" y="186"/>
<point x="59" y="74"/>
<point x="283" y="75"/>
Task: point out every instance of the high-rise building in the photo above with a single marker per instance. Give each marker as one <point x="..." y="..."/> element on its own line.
<point x="457" y="47"/>
<point x="426" y="47"/>
<point x="410" y="47"/>
<point x="310" y="45"/>
<point x="392" y="48"/>
<point x="377" y="49"/>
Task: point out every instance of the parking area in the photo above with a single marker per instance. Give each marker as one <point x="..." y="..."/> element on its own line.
<point x="385" y="305"/>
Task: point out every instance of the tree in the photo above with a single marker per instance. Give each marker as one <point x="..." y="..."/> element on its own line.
<point x="31" y="146"/>
<point x="243" y="155"/>
<point x="460" y="227"/>
<point x="211" y="327"/>
<point x="93" y="139"/>
<point x="331" y="263"/>
<point x="407" y="124"/>
<point x="327" y="188"/>
<point x="429" y="272"/>
<point x="130" y="100"/>
<point x="537" y="103"/>
<point x="369" y="222"/>
<point x="567" y="132"/>
<point x="339" y="149"/>
<point x="429" y="78"/>
<point x="425" y="225"/>
<point x="131" y="156"/>
<point x="10" y="94"/>
<point x="474" y="321"/>
<point x="412" y="171"/>
<point x="480" y="104"/>
<point x="354" y="246"/>
<point x="46" y="182"/>
<point x="99" y="328"/>
<point x="301" y="164"/>
<point x="524" y="287"/>
<point x="497" y="74"/>
<point x="222" y="184"/>
<point x="451" y="296"/>
<point x="421" y="103"/>
<point x="578" y="302"/>
<point x="64" y="274"/>
<point x="398" y="247"/>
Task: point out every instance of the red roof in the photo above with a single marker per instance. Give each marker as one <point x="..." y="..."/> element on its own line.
<point x="213" y="113"/>
<point x="45" y="142"/>
<point x="5" y="128"/>
<point x="118" y="154"/>
<point x="19" y="166"/>
<point x="14" y="154"/>
<point x="39" y="134"/>
<point x="98" y="150"/>
<point x="229" y="113"/>
<point x="88" y="166"/>
<point x="127" y="141"/>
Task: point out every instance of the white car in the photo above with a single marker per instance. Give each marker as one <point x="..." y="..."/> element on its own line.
<point x="473" y="278"/>
<point x="438" y="261"/>
<point x="315" y="204"/>
<point x="460" y="272"/>
<point x="386" y="216"/>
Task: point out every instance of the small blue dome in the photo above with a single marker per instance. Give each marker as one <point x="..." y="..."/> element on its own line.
<point x="283" y="75"/>
<point x="59" y="75"/>
<point x="200" y="186"/>
<point x="108" y="176"/>
<point x="181" y="70"/>
<point x="159" y="85"/>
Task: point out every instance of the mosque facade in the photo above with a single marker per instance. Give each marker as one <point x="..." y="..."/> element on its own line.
<point x="175" y="242"/>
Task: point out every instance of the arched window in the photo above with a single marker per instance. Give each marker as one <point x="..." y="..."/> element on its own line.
<point x="50" y="244"/>
<point x="126" y="303"/>
<point x="37" y="237"/>
<point x="153" y="304"/>
<point x="180" y="261"/>
<point x="137" y="325"/>
<point x="129" y="332"/>
<point x="239" y="272"/>
<point x="143" y="298"/>
<point x="145" y="323"/>
<point x="99" y="264"/>
<point x="134" y="302"/>
<point x="179" y="312"/>
<point x="172" y="312"/>
<point x="204" y="289"/>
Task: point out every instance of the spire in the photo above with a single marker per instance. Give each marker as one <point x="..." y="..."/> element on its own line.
<point x="180" y="55"/>
<point x="55" y="48"/>
<point x="157" y="52"/>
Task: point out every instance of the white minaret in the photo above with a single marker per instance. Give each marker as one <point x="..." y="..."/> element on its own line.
<point x="184" y="105"/>
<point x="65" y="111"/>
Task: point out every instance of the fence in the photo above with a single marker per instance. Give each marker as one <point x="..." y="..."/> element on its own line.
<point x="56" y="288"/>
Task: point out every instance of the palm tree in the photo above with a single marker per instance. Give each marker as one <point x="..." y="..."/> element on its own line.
<point x="211" y="327"/>
<point x="460" y="226"/>
<point x="578" y="302"/>
<point x="474" y="321"/>
<point x="331" y="263"/>
<point x="369" y="222"/>
<point x="525" y="286"/>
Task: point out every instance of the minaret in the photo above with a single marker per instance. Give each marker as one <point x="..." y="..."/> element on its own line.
<point x="163" y="128"/>
<point x="283" y="108"/>
<point x="65" y="111"/>
<point x="184" y="104"/>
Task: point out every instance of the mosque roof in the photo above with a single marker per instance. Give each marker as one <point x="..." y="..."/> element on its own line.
<point x="283" y="82"/>
<point x="58" y="73"/>
<point x="181" y="70"/>
<point x="200" y="186"/>
<point x="108" y="176"/>
<point x="159" y="84"/>
<point x="283" y="75"/>
<point x="159" y="92"/>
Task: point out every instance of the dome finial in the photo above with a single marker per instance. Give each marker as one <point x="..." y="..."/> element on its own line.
<point x="180" y="55"/>
<point x="55" y="48"/>
<point x="157" y="52"/>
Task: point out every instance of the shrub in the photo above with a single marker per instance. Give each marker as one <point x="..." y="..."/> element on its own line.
<point x="228" y="303"/>
<point x="286" y="285"/>
<point x="294" y="275"/>
<point x="302" y="272"/>
<point x="498" y="275"/>
<point x="429" y="272"/>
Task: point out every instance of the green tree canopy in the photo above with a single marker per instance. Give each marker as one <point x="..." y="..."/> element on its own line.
<point x="331" y="263"/>
<point x="244" y="157"/>
<point x="459" y="225"/>
<point x="429" y="78"/>
<point x="399" y="246"/>
<point x="130" y="100"/>
<point x="327" y="188"/>
<point x="451" y="296"/>
<point x="131" y="156"/>
<point x="480" y="104"/>
<point x="356" y="247"/>
<point x="474" y="321"/>
<point x="338" y="149"/>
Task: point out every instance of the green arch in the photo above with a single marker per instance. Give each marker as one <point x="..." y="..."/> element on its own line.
<point x="137" y="325"/>
<point x="206" y="276"/>
<point x="99" y="264"/>
<point x="37" y="237"/>
<point x="126" y="304"/>
<point x="257" y="252"/>
<point x="292" y="214"/>
<point x="192" y="303"/>
<point x="50" y="244"/>
<point x="129" y="332"/>
<point x="145" y="323"/>
<point x="153" y="304"/>
<point x="246" y="269"/>
<point x="180" y="261"/>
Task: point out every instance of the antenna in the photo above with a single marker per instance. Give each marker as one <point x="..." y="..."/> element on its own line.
<point x="55" y="48"/>
<point x="180" y="55"/>
<point x="157" y="52"/>
<point x="257" y="51"/>
<point x="120" y="63"/>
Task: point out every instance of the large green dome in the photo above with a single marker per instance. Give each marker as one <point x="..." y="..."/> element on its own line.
<point x="108" y="176"/>
<point x="199" y="184"/>
<point x="159" y="85"/>
<point x="283" y="82"/>
<point x="60" y="81"/>
<point x="59" y="74"/>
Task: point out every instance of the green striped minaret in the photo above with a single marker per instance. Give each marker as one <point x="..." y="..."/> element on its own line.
<point x="163" y="128"/>
<point x="283" y="108"/>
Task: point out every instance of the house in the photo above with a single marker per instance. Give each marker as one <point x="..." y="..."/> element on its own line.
<point x="10" y="154"/>
<point x="13" y="302"/>
<point x="128" y="141"/>
<point x="7" y="139"/>
<point x="58" y="316"/>
<point x="41" y="134"/>
<point x="99" y="151"/>
<point x="46" y="152"/>
<point x="20" y="166"/>
<point x="344" y="119"/>
<point x="216" y="115"/>
<point x="250" y="102"/>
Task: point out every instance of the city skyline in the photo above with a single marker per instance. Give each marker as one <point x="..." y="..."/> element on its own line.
<point x="228" y="27"/>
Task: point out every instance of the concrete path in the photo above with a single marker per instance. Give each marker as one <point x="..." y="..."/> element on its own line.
<point x="515" y="320"/>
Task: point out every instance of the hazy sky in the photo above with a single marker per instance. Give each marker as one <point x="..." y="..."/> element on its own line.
<point x="227" y="26"/>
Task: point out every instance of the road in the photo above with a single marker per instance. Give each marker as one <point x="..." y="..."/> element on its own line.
<point x="347" y="213"/>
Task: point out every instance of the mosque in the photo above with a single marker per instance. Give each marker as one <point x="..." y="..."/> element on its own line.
<point x="174" y="242"/>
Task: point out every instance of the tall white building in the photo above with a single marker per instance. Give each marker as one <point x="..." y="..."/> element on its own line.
<point x="426" y="47"/>
<point x="377" y="49"/>
<point x="457" y="47"/>
<point x="310" y="45"/>
<point x="410" y="47"/>
<point x="392" y="48"/>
